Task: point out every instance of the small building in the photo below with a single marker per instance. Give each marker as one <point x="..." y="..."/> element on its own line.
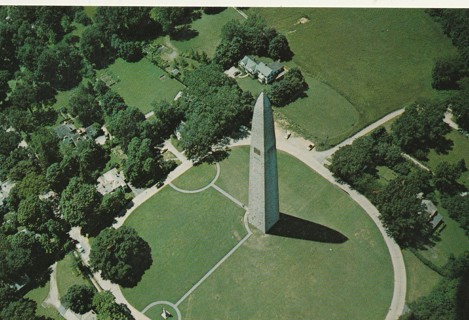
<point x="175" y="72"/>
<point x="432" y="211"/>
<point x="268" y="73"/>
<point x="110" y="181"/>
<point x="249" y="65"/>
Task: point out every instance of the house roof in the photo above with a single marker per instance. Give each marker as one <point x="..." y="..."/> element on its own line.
<point x="436" y="220"/>
<point x="275" y="66"/>
<point x="65" y="130"/>
<point x="110" y="181"/>
<point x="248" y="63"/>
<point x="430" y="207"/>
<point x="264" y="69"/>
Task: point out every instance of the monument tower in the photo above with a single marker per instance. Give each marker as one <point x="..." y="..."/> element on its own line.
<point x="263" y="177"/>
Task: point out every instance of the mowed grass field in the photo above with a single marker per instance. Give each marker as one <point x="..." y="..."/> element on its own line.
<point x="197" y="177"/>
<point x="209" y="30"/>
<point x="377" y="59"/>
<point x="139" y="83"/>
<point x="268" y="277"/>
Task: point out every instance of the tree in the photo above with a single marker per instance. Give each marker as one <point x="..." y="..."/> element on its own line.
<point x="289" y="88"/>
<point x="112" y="103"/>
<point x="125" y="125"/>
<point x="32" y="184"/>
<point x="83" y="103"/>
<point x="34" y="213"/>
<point x="215" y="107"/>
<point x="420" y="127"/>
<point x="79" y="298"/>
<point x="402" y="214"/>
<point x="168" y="116"/>
<point x="121" y="255"/>
<point x="279" y="48"/>
<point x="458" y="209"/>
<point x="44" y="144"/>
<point x="445" y="176"/>
<point x="142" y="167"/>
<point x="95" y="47"/>
<point x="79" y="203"/>
<point x="171" y="17"/>
<point x="112" y="205"/>
<point x="447" y="72"/>
<point x="60" y="66"/>
<point x="4" y="87"/>
<point x="91" y="159"/>
<point x="106" y="307"/>
<point x="8" y="142"/>
<point x="460" y="105"/>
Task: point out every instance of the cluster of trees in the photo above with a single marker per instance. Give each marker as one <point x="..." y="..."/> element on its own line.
<point x="121" y="255"/>
<point x="214" y="107"/>
<point x="82" y="205"/>
<point x="356" y="163"/>
<point x="83" y="298"/>
<point x="453" y="72"/>
<point x="397" y="202"/>
<point x="420" y="128"/>
<point x="14" y="306"/>
<point x="292" y="86"/>
<point x="458" y="209"/>
<point x="449" y="299"/>
<point x="251" y="36"/>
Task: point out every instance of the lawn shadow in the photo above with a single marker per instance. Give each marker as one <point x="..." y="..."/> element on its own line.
<point x="184" y="33"/>
<point x="293" y="227"/>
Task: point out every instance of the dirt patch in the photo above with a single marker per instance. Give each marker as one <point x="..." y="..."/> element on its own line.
<point x="302" y="20"/>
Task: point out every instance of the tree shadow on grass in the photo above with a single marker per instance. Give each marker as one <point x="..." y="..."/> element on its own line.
<point x="292" y="227"/>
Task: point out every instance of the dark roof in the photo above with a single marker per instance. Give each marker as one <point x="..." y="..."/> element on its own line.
<point x="275" y="66"/>
<point x="65" y="130"/>
<point x="436" y="220"/>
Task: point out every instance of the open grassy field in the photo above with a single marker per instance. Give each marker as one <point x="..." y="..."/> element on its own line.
<point x="269" y="276"/>
<point x="39" y="295"/>
<point x="322" y="115"/>
<point x="188" y="234"/>
<point x="377" y="59"/>
<point x="420" y="278"/>
<point x="68" y="275"/>
<point x="209" y="30"/>
<point x="198" y="177"/>
<point x="139" y="83"/>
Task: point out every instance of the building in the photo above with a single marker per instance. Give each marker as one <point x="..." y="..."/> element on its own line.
<point x="432" y="211"/>
<point x="265" y="73"/>
<point x="68" y="132"/>
<point x="110" y="181"/>
<point x="249" y="65"/>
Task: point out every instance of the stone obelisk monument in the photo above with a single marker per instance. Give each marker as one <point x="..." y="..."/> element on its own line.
<point x="263" y="177"/>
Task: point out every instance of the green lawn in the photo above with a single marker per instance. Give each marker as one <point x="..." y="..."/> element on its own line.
<point x="139" y="83"/>
<point x="323" y="115"/>
<point x="378" y="59"/>
<point x="209" y="30"/>
<point x="188" y="235"/>
<point x="68" y="275"/>
<point x="420" y="278"/>
<point x="268" y="277"/>
<point x="385" y="175"/>
<point x="460" y="150"/>
<point x="39" y="295"/>
<point x="197" y="177"/>
<point x="453" y="240"/>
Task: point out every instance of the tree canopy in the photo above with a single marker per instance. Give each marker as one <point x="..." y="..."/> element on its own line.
<point x="289" y="88"/>
<point x="79" y="298"/>
<point x="214" y="107"/>
<point x="121" y="255"/>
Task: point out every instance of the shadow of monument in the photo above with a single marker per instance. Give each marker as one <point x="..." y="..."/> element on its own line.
<point x="297" y="228"/>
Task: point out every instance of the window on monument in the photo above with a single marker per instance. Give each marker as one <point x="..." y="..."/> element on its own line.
<point x="257" y="151"/>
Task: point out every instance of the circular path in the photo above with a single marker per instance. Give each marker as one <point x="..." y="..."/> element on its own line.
<point x="200" y="189"/>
